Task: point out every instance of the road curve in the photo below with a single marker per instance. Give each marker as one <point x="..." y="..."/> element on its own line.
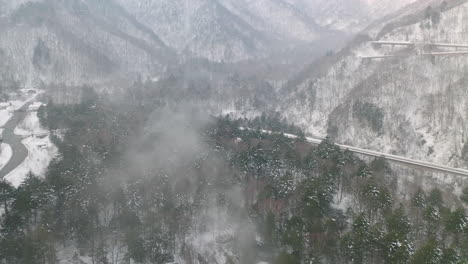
<point x="423" y="164"/>
<point x="396" y="158"/>
<point x="20" y="152"/>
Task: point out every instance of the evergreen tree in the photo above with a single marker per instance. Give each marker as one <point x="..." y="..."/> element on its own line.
<point x="464" y="196"/>
<point x="293" y="234"/>
<point x="419" y="199"/>
<point x="396" y="245"/>
<point x="429" y="253"/>
<point x="7" y="193"/>
<point x="456" y="222"/>
<point x="360" y="242"/>
<point x="450" y="256"/>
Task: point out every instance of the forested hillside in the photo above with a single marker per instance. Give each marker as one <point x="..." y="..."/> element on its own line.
<point x="172" y="120"/>
<point x="138" y="186"/>
<point x="410" y="105"/>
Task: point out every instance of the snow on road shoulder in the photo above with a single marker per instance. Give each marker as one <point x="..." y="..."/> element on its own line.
<point x="5" y="154"/>
<point x="41" y="150"/>
<point x="40" y="154"/>
<point x="30" y="126"/>
<point x="5" y="115"/>
<point x="7" y="108"/>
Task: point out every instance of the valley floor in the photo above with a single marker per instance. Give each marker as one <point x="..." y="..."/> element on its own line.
<point x="40" y="150"/>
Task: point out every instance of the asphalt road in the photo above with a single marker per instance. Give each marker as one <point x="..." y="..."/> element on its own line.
<point x="400" y="159"/>
<point x="404" y="160"/>
<point x="20" y="152"/>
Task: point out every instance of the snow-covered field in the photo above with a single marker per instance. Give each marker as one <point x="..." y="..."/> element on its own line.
<point x="40" y="149"/>
<point x="7" y="109"/>
<point x="6" y="112"/>
<point x="5" y="115"/>
<point x="30" y="125"/>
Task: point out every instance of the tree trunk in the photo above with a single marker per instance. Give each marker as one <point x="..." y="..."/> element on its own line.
<point x="6" y="207"/>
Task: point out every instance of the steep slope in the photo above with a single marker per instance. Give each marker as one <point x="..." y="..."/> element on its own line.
<point x="277" y="18"/>
<point x="411" y="105"/>
<point x="76" y="42"/>
<point x="348" y="15"/>
<point x="236" y="30"/>
<point x="200" y="27"/>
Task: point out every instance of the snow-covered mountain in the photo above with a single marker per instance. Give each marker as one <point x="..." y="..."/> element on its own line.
<point x="225" y="30"/>
<point x="348" y="15"/>
<point x="76" y="42"/>
<point x="278" y="18"/>
<point x="235" y="30"/>
<point x="87" y="41"/>
<point x="415" y="106"/>
<point x="202" y="28"/>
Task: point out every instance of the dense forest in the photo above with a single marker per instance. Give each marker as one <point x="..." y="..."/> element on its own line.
<point x="132" y="185"/>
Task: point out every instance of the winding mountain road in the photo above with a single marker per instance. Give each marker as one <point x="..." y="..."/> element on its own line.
<point x="20" y="152"/>
<point x="400" y="159"/>
<point x="395" y="158"/>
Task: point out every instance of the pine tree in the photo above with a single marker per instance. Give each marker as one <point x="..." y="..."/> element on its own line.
<point x="358" y="243"/>
<point x="396" y="245"/>
<point x="419" y="199"/>
<point x="429" y="253"/>
<point x="7" y="192"/>
<point x="293" y="234"/>
<point x="456" y="222"/>
<point x="450" y="256"/>
<point x="419" y="202"/>
<point x="464" y="196"/>
<point x="364" y="171"/>
<point x="269" y="229"/>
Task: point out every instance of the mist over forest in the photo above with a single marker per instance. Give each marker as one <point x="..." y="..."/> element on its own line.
<point x="233" y="131"/>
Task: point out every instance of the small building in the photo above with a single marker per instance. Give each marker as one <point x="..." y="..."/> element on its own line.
<point x="34" y="107"/>
<point x="40" y="134"/>
<point x="4" y="106"/>
<point x="28" y="90"/>
<point x="42" y="145"/>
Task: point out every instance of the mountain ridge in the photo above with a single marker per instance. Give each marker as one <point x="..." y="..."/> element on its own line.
<point x="419" y="112"/>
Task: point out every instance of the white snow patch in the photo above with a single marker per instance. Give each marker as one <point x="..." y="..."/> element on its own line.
<point x="7" y="108"/>
<point x="41" y="150"/>
<point x="30" y="126"/>
<point x="5" y="154"/>
<point x="343" y="202"/>
<point x="35" y="106"/>
<point x="69" y="254"/>
<point x="40" y="154"/>
<point x="5" y="115"/>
